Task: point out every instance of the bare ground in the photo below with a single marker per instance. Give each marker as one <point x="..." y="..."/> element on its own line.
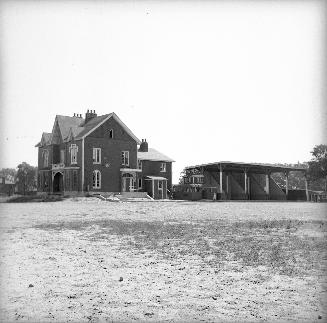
<point x="87" y="260"/>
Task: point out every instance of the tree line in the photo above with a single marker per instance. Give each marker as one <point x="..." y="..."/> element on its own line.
<point x="24" y="176"/>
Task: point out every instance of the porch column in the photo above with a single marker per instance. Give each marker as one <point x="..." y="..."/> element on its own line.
<point x="153" y="188"/>
<point x="51" y="184"/>
<point x="267" y="185"/>
<point x="221" y="179"/>
<point x="286" y="184"/>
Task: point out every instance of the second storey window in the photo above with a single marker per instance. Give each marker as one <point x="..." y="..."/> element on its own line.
<point x="111" y="133"/>
<point x="73" y="153"/>
<point x="125" y="158"/>
<point x="96" y="155"/>
<point x="62" y="156"/>
<point x="45" y="158"/>
<point x="163" y="167"/>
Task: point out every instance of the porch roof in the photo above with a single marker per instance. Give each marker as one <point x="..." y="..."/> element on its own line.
<point x="156" y="178"/>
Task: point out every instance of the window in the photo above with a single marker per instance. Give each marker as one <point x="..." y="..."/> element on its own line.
<point x="62" y="156"/>
<point x="73" y="153"/>
<point x="96" y="179"/>
<point x="140" y="183"/>
<point x="45" y="158"/>
<point x="125" y="158"/>
<point x="96" y="155"/>
<point x="139" y="164"/>
<point x="160" y="185"/>
<point x="163" y="167"/>
<point x="111" y="133"/>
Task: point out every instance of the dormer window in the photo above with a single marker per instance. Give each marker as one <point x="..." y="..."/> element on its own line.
<point x="111" y="133"/>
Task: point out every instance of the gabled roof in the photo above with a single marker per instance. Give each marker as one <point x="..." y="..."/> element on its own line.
<point x="154" y="155"/>
<point x="65" y="123"/>
<point x="73" y="132"/>
<point x="92" y="125"/>
<point x="75" y="127"/>
<point x="96" y="122"/>
<point x="45" y="139"/>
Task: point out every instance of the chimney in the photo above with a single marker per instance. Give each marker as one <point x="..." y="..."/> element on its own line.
<point x="144" y="146"/>
<point x="90" y="114"/>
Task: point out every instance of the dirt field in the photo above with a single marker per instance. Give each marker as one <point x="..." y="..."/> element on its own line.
<point x="84" y="260"/>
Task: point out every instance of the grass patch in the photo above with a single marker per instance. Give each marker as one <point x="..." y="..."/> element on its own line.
<point x="275" y="244"/>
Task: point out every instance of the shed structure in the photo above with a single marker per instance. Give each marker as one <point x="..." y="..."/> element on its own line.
<point x="227" y="180"/>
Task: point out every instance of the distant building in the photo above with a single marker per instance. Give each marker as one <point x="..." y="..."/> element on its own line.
<point x="100" y="154"/>
<point x="7" y="187"/>
<point x="238" y="181"/>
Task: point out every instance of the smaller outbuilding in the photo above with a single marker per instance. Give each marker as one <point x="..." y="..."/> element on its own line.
<point x="7" y="187"/>
<point x="227" y="180"/>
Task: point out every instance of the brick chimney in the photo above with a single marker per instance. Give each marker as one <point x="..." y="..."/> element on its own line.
<point x="90" y="114"/>
<point x="144" y="146"/>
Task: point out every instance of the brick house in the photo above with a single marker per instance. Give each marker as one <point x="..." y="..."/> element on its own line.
<point x="99" y="154"/>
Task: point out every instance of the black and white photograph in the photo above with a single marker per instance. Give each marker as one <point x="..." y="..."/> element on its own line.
<point x="163" y="161"/>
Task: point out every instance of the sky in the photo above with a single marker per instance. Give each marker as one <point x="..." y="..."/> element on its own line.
<point x="202" y="81"/>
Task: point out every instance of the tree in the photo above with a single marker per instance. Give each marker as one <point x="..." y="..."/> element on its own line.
<point x="8" y="173"/>
<point x="318" y="164"/>
<point x="181" y="177"/>
<point x="26" y="178"/>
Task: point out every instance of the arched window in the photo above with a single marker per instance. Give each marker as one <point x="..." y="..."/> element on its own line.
<point x="96" y="179"/>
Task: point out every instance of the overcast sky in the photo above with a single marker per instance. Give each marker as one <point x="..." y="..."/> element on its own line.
<point x="201" y="81"/>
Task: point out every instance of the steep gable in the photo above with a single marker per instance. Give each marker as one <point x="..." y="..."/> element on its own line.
<point x="45" y="139"/>
<point x="96" y="122"/>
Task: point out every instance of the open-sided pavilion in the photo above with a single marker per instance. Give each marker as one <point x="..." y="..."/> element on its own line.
<point x="240" y="181"/>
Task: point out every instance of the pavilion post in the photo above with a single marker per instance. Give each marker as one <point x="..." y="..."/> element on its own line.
<point x="221" y="179"/>
<point x="227" y="186"/>
<point x="306" y="186"/>
<point x="286" y="184"/>
<point x="267" y="185"/>
<point x="246" y="183"/>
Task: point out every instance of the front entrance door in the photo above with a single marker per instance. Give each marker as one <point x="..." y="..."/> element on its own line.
<point x="58" y="182"/>
<point x="128" y="183"/>
<point x="160" y="189"/>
